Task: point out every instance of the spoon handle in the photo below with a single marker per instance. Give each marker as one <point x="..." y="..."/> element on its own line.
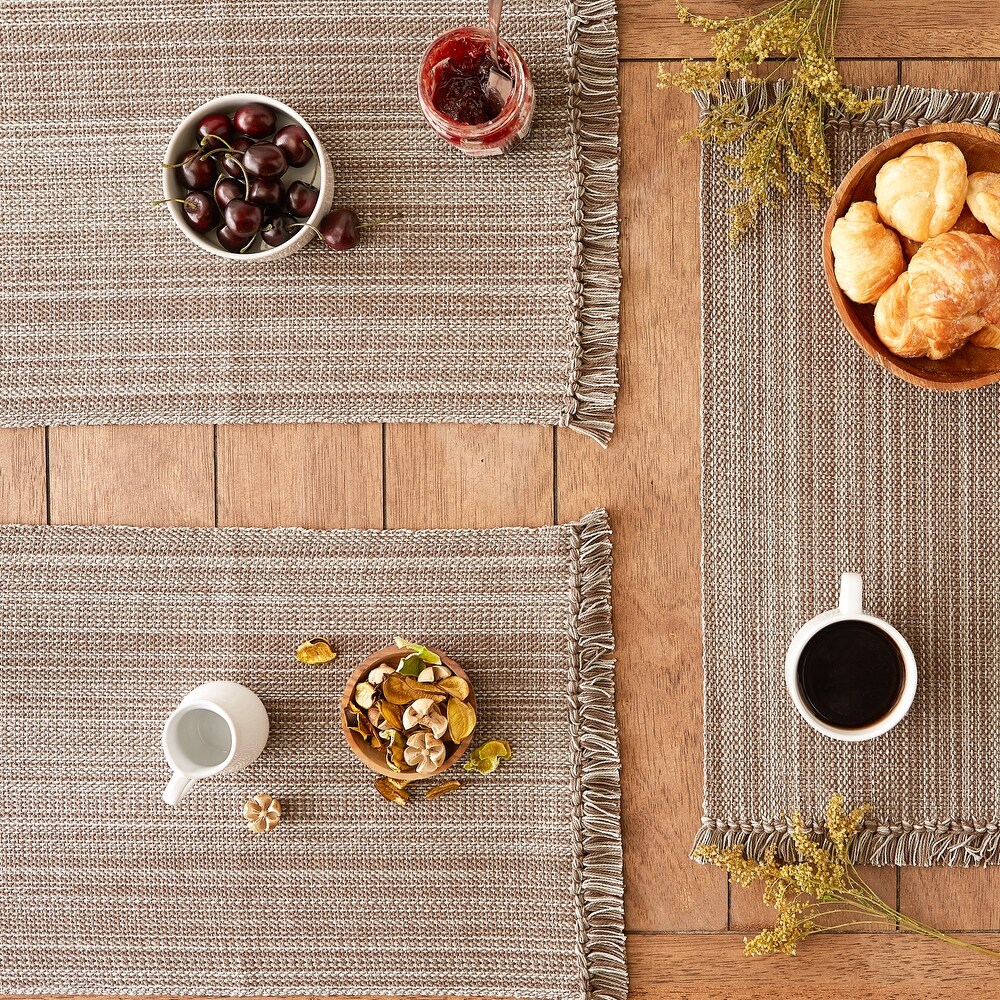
<point x="496" y="8"/>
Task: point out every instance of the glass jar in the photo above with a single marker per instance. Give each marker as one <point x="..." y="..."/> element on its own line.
<point x="445" y="57"/>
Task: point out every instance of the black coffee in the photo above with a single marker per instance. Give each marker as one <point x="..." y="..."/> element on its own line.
<point x="851" y="674"/>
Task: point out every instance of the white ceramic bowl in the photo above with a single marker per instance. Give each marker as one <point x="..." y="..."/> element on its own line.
<point x="185" y="137"/>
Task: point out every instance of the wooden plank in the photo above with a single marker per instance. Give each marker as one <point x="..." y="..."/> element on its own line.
<point x="861" y="966"/>
<point x="305" y="475"/>
<point x="132" y="475"/>
<point x="467" y="476"/>
<point x="893" y="29"/>
<point x="649" y="480"/>
<point x="22" y="476"/>
<point x="952" y="897"/>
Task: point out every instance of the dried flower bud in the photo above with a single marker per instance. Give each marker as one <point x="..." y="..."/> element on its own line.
<point x="425" y="752"/>
<point x="423" y="712"/>
<point x="262" y="813"/>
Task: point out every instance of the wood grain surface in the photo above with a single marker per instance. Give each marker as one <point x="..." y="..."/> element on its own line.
<point x="439" y="475"/>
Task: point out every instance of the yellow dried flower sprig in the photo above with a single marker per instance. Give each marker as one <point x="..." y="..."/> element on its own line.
<point x="784" y="135"/>
<point x="823" y="883"/>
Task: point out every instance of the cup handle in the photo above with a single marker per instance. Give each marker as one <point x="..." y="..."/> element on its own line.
<point x="850" y="594"/>
<point x="176" y="789"/>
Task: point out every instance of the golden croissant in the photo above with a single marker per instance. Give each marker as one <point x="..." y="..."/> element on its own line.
<point x="867" y="258"/>
<point x="950" y="292"/>
<point x="921" y="192"/>
<point x="983" y="199"/>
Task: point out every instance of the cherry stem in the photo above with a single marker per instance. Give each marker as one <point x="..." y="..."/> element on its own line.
<point x="212" y="135"/>
<point x="178" y="201"/>
<point x="250" y="244"/>
<point x="306" y="225"/>
<point x="379" y="222"/>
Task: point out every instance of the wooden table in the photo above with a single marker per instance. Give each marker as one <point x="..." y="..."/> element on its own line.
<point x="685" y="927"/>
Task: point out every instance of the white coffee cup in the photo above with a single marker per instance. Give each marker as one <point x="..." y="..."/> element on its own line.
<point x="218" y="728"/>
<point x="850" y="609"/>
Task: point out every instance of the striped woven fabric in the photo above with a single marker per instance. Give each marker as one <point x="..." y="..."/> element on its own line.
<point x="816" y="462"/>
<point x="511" y="886"/>
<point x="493" y="298"/>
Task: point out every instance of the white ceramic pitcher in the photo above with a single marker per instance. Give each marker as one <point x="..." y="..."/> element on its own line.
<point x="218" y="728"/>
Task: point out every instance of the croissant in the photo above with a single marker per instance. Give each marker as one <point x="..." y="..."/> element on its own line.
<point x="921" y="192"/>
<point x="983" y="199"/>
<point x="938" y="304"/>
<point x="866" y="255"/>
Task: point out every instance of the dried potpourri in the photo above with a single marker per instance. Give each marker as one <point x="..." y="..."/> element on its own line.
<point x="316" y="650"/>
<point x="392" y="791"/>
<point x="416" y="710"/>
<point x="443" y="789"/>
<point x="486" y="759"/>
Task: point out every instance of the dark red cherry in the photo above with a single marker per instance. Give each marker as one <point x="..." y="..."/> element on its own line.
<point x="195" y="172"/>
<point x="231" y="241"/>
<point x="293" y="141"/>
<point x="264" y="159"/>
<point x="302" y="199"/>
<point x="242" y="218"/>
<point x="267" y="193"/>
<point x="214" y="131"/>
<point x="226" y="190"/>
<point x="278" y="230"/>
<point x="200" y="211"/>
<point x="231" y="164"/>
<point x="339" y="229"/>
<point x="255" y="120"/>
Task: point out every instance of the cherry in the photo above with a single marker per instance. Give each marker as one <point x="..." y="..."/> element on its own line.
<point x="233" y="164"/>
<point x="198" y="208"/>
<point x="267" y="193"/>
<point x="264" y="159"/>
<point x="214" y="131"/>
<point x="227" y="190"/>
<point x="278" y="231"/>
<point x="302" y="199"/>
<point x="293" y="141"/>
<point x="195" y="173"/>
<point x="255" y="120"/>
<point x="242" y="218"/>
<point x="232" y="242"/>
<point x="339" y="229"/>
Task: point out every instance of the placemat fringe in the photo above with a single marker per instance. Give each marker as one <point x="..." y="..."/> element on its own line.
<point x="901" y="107"/>
<point x="959" y="844"/>
<point x="594" y="116"/>
<point x="597" y="789"/>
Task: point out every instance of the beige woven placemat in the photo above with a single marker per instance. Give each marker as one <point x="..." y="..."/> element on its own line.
<point x="493" y="299"/>
<point x="816" y="461"/>
<point x="510" y="887"/>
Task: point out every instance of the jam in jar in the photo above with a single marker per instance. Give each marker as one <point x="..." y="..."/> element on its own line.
<point x="456" y="99"/>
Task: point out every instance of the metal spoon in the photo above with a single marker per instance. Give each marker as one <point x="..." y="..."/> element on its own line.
<point x="500" y="84"/>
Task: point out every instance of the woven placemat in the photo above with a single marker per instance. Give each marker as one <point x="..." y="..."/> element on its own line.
<point x="510" y="887"/>
<point x="817" y="461"/>
<point x="493" y="299"/>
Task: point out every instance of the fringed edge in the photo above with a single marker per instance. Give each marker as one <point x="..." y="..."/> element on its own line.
<point x="901" y="107"/>
<point x="596" y="273"/>
<point x="954" y="843"/>
<point x="596" y="794"/>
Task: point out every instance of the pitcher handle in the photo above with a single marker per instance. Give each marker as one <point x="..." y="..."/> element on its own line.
<point x="176" y="789"/>
<point x="850" y="594"/>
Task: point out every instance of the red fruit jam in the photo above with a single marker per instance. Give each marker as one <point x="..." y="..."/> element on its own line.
<point x="460" y="83"/>
<point x="458" y="102"/>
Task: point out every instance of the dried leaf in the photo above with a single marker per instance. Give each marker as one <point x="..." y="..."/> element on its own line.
<point x="425" y="654"/>
<point x="391" y="791"/>
<point x="315" y="651"/>
<point x="421" y="689"/>
<point x="396" y="691"/>
<point x="410" y="666"/>
<point x="483" y="765"/>
<point x="391" y="714"/>
<point x="443" y="789"/>
<point x="461" y="720"/>
<point x="455" y="686"/>
<point x="496" y="748"/>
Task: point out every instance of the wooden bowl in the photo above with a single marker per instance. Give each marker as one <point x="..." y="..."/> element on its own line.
<point x="375" y="759"/>
<point x="968" y="368"/>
